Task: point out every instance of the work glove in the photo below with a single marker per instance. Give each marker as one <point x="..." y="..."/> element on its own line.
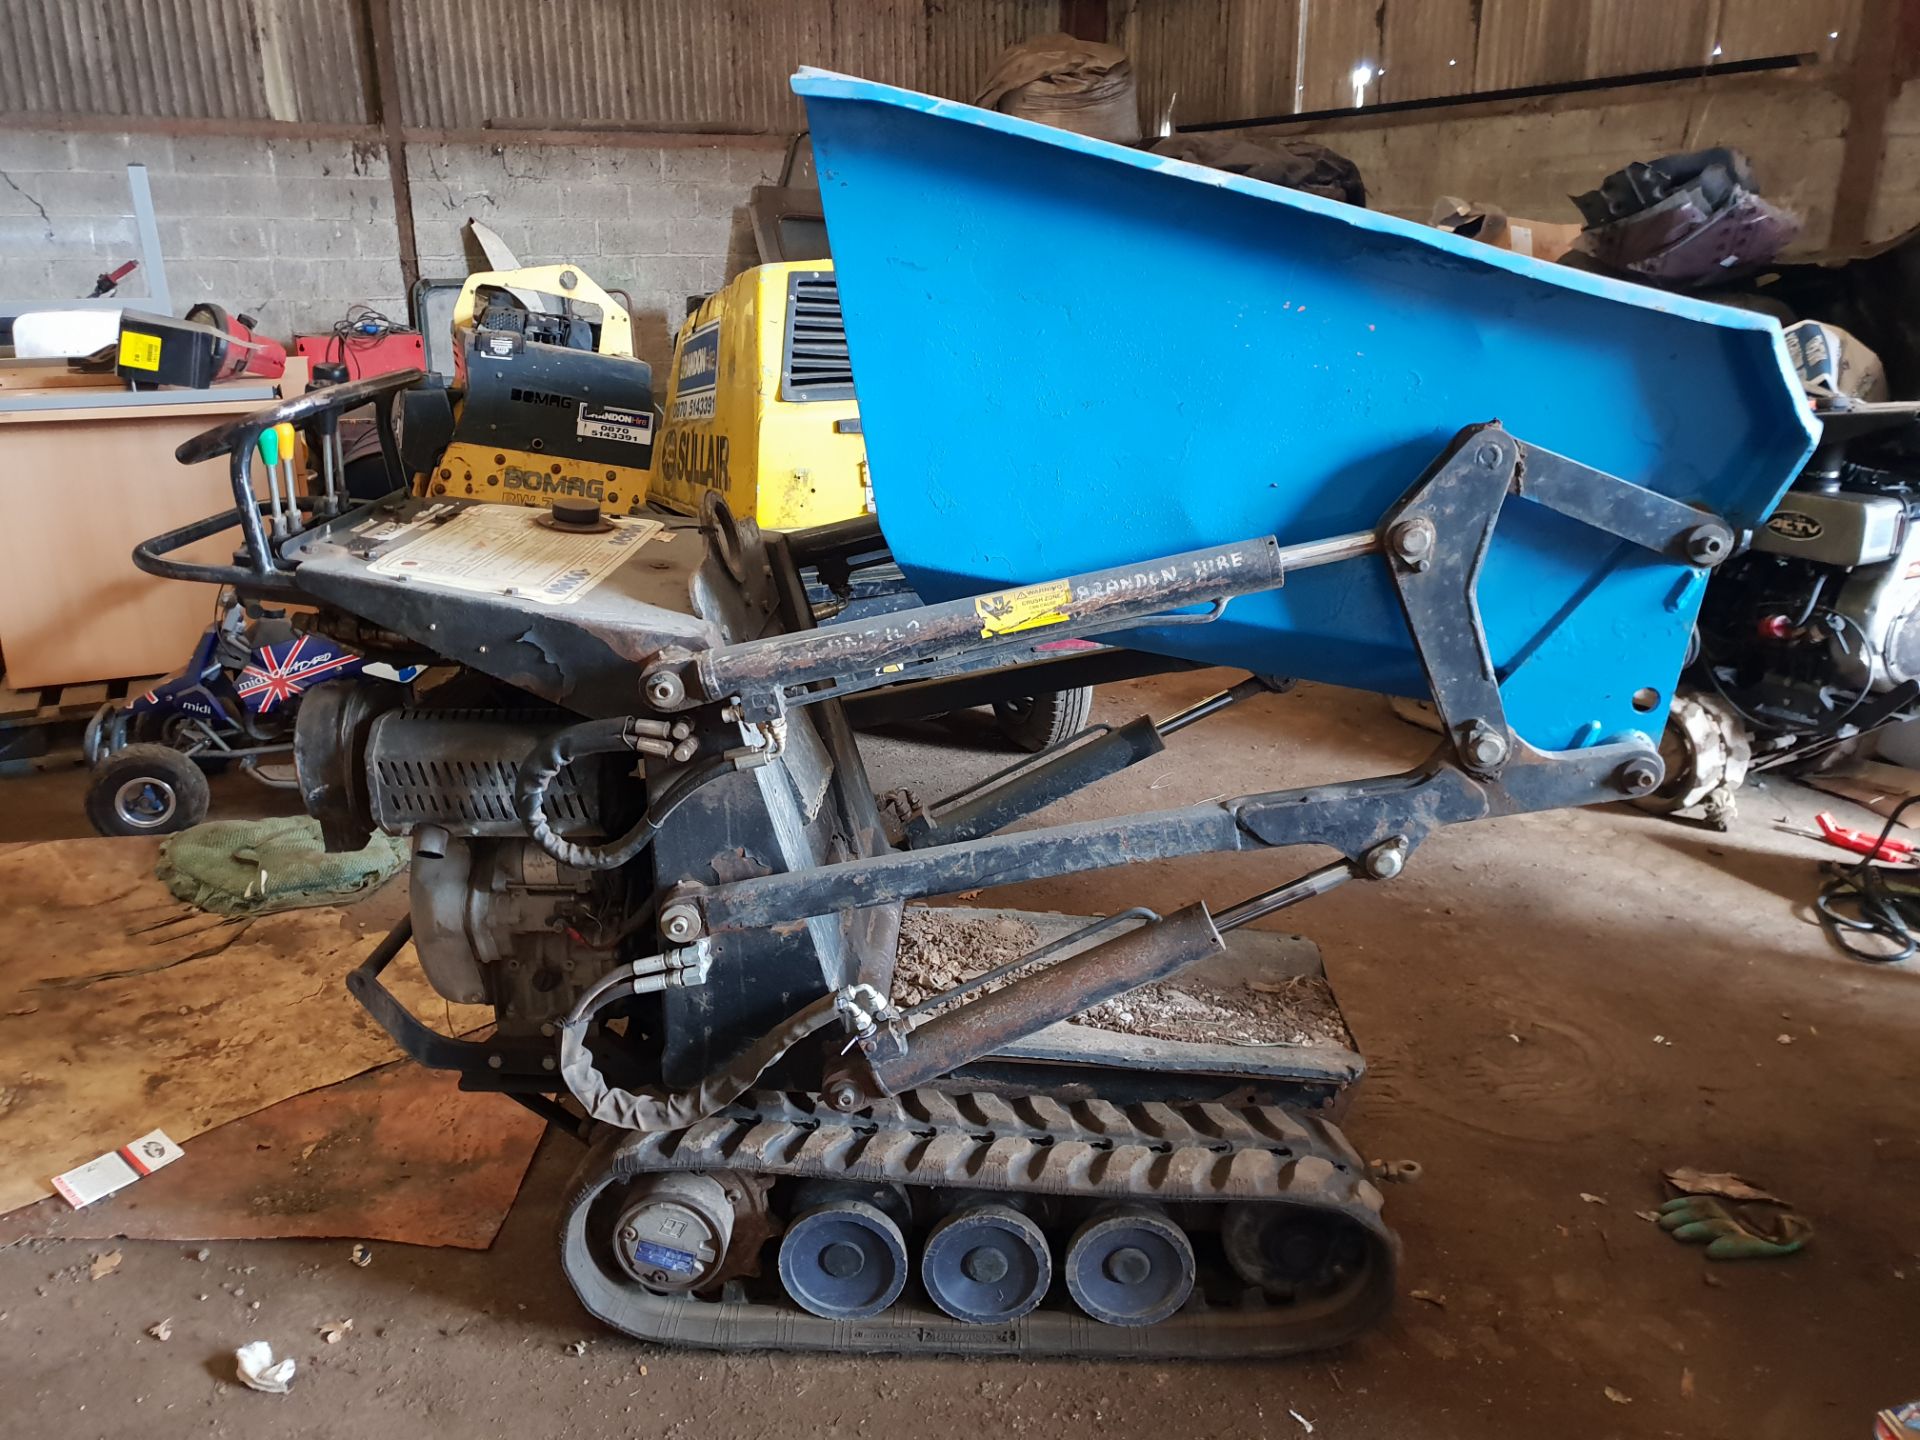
<point x="1750" y="1233"/>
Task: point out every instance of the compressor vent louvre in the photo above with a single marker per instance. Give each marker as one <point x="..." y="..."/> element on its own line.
<point x="815" y="364"/>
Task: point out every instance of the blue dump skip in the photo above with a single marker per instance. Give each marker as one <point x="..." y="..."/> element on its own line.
<point x="1071" y="355"/>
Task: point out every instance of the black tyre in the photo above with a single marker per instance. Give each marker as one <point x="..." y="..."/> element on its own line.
<point x="1038" y="722"/>
<point x="146" y="790"/>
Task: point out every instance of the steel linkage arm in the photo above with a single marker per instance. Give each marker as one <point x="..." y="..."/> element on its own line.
<point x="1434" y="540"/>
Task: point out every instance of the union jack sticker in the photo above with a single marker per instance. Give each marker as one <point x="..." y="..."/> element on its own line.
<point x="280" y="672"/>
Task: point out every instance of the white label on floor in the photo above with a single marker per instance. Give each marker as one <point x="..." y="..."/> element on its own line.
<point x="116" y="1170"/>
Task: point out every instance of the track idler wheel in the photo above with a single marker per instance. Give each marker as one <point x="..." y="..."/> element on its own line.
<point x="1130" y="1266"/>
<point x="844" y="1256"/>
<point x="985" y="1264"/>
<point x="1282" y="1250"/>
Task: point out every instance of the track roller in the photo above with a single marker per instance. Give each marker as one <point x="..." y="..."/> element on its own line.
<point x="1130" y="1266"/>
<point x="986" y="1263"/>
<point x="844" y="1256"/>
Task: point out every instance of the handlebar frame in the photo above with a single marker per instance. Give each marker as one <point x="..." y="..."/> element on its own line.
<point x="264" y="572"/>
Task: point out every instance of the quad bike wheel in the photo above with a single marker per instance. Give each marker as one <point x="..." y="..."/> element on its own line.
<point x="1039" y="722"/>
<point x="146" y="790"/>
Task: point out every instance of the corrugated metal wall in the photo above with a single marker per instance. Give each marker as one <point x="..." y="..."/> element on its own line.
<point x="707" y="65"/>
<point x="671" y="63"/>
<point x="215" y="59"/>
<point x="1234" y="59"/>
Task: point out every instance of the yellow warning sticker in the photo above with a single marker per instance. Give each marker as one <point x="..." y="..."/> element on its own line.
<point x="139" y="352"/>
<point x="1025" y="609"/>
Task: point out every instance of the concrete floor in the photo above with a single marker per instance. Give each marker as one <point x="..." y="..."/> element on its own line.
<point x="1509" y="989"/>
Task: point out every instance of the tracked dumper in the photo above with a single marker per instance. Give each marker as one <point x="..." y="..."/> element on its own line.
<point x="1108" y="395"/>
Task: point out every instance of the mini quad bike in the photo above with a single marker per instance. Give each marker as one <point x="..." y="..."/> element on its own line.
<point x="234" y="703"/>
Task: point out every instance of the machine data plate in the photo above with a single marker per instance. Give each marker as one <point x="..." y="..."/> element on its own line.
<point x="507" y="550"/>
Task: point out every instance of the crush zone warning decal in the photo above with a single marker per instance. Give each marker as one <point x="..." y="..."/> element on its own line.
<point x="1027" y="608"/>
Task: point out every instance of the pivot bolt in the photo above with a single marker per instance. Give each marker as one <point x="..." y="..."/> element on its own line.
<point x="1485" y="747"/>
<point x="1487" y="456"/>
<point x="844" y="1096"/>
<point x="680" y="922"/>
<point x="1707" y="544"/>
<point x="1412" y="543"/>
<point x="664" y="690"/>
<point x="1387" y="859"/>
<point x="1638" y="777"/>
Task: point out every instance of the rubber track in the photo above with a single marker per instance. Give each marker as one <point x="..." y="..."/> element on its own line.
<point x="1157" y="1152"/>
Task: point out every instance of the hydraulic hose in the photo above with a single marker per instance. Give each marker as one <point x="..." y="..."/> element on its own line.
<point x="599" y="737"/>
<point x="674" y="1110"/>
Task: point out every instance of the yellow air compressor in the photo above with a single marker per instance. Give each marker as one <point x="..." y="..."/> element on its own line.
<point x="759" y="404"/>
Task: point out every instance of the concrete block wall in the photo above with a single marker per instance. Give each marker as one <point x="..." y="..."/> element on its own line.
<point x="289" y="231"/>
<point x="293" y="232"/>
<point x="660" y="224"/>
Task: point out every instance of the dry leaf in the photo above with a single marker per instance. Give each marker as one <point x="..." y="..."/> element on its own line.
<point x="1686" y="1384"/>
<point x="361" y="1255"/>
<point x="1617" y="1398"/>
<point x="162" y="1331"/>
<point x="334" y="1331"/>
<point x="307" y="1154"/>
<point x="104" y="1265"/>
<point x="968" y="895"/>
<point x="1652" y="1217"/>
<point x="1437" y="1300"/>
<point x="1689" y="1181"/>
<point x="1593" y="1199"/>
<point x="577" y="1347"/>
<point x="1783" y="1039"/>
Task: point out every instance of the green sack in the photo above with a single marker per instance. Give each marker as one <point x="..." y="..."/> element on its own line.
<point x="254" y="867"/>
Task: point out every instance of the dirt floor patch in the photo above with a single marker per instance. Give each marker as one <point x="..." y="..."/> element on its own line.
<point x="940" y="949"/>
<point x="1297" y="1010"/>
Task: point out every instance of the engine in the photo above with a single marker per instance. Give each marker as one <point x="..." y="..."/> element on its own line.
<point x="1813" y="635"/>
<point x="496" y="920"/>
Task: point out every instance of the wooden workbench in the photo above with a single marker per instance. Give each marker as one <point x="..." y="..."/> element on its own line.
<point x="79" y="488"/>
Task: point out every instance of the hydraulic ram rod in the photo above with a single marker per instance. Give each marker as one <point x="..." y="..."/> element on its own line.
<point x="874" y="651"/>
<point x="1063" y="989"/>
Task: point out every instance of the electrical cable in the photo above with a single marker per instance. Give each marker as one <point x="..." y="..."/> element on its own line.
<point x="1879" y="909"/>
<point x="362" y="328"/>
<point x="1776" y="725"/>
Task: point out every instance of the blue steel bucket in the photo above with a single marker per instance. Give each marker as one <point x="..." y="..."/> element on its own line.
<point x="1072" y="355"/>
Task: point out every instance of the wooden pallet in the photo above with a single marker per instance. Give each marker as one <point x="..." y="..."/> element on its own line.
<point x="54" y="703"/>
<point x="42" y="729"/>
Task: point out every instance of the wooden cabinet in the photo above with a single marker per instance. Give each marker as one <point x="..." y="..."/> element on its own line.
<point x="78" y="490"/>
